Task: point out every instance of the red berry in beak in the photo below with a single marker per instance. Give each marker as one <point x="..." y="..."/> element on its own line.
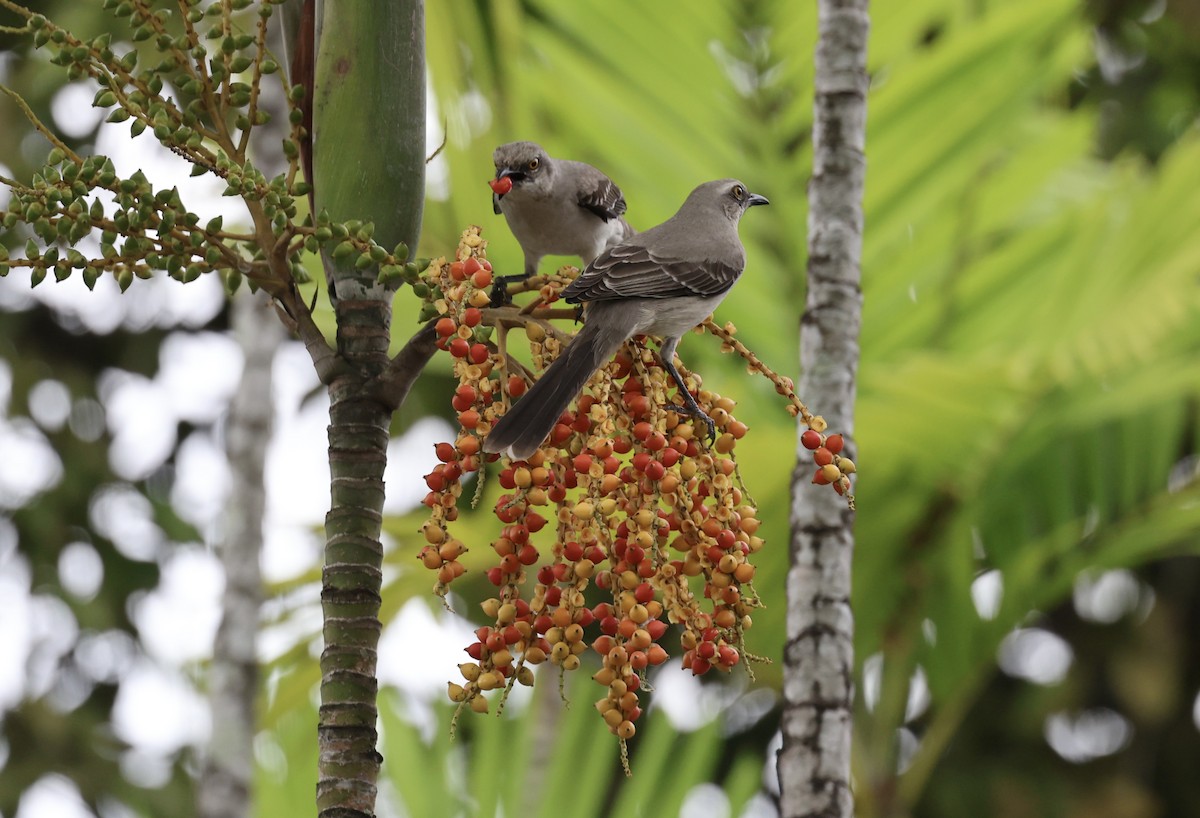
<point x="501" y="186"/>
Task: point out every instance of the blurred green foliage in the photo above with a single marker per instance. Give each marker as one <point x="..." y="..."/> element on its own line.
<point x="1028" y="390"/>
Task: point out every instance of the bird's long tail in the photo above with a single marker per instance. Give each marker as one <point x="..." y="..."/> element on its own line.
<point x="530" y="420"/>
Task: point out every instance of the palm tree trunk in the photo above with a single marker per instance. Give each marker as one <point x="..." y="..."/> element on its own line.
<point x="814" y="763"/>
<point x="369" y="162"/>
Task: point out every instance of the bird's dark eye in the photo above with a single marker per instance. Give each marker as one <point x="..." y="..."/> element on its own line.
<point x="533" y="163"/>
<point x="739" y="192"/>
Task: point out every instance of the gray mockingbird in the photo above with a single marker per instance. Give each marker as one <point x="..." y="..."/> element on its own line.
<point x="661" y="282"/>
<point x="554" y="207"/>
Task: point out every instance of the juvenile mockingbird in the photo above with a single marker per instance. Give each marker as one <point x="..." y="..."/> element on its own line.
<point x="662" y="282"/>
<point x="555" y="206"/>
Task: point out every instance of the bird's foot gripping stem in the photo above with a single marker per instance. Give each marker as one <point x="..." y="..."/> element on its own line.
<point x="689" y="404"/>
<point x="500" y="295"/>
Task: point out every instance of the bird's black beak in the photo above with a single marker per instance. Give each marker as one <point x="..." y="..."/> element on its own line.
<point x="755" y="199"/>
<point x="515" y="175"/>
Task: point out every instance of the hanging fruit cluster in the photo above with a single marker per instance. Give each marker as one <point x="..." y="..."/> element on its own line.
<point x="623" y="523"/>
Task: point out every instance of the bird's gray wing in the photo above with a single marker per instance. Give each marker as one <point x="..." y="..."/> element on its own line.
<point x="629" y="271"/>
<point x="598" y="194"/>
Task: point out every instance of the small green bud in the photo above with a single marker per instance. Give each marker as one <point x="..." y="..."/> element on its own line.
<point x="124" y="278"/>
<point x="363" y="261"/>
<point x="391" y="274"/>
<point x="269" y="66"/>
<point x="36" y="276"/>
<point x="343" y="251"/>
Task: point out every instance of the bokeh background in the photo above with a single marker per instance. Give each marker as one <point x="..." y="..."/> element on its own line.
<point x="1026" y="571"/>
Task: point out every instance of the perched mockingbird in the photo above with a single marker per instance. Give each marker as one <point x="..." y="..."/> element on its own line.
<point x="555" y="206"/>
<point x="662" y="282"/>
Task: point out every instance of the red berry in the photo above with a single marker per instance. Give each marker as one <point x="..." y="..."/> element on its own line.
<point x="516" y="386"/>
<point x="811" y="439"/>
<point x="471" y="316"/>
<point x="819" y="478"/>
<point x="477" y="354"/>
<point x="459" y="347"/>
<point x="445" y="452"/>
<point x="482" y="278"/>
<point x="822" y="456"/>
<point x="834" y="443"/>
<point x="445" y="326"/>
<point x="457" y="272"/>
<point x="471" y="266"/>
<point x="501" y="186"/>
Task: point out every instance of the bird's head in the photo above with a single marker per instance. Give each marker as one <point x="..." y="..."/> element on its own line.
<point x="521" y="165"/>
<point x="727" y="195"/>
